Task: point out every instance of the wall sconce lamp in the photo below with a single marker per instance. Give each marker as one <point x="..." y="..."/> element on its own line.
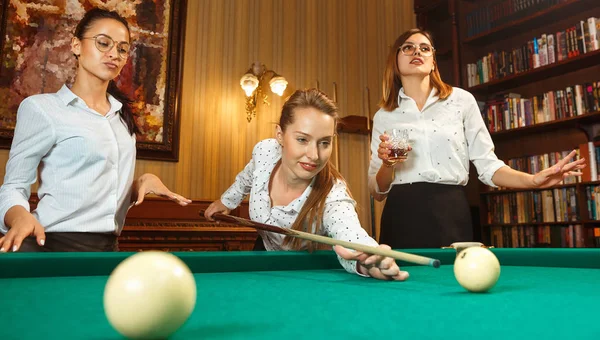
<point x="252" y="82"/>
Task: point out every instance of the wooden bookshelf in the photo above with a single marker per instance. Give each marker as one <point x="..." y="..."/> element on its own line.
<point x="444" y="53"/>
<point x="439" y="18"/>
<point x="564" y="123"/>
<point x="513" y="33"/>
<point x="532" y="224"/>
<point x="512" y="191"/>
<point x="538" y="18"/>
<point x="537" y="74"/>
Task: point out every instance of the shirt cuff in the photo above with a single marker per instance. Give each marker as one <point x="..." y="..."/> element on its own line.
<point x="351" y="266"/>
<point x="375" y="186"/>
<point x="6" y="205"/>
<point x="486" y="177"/>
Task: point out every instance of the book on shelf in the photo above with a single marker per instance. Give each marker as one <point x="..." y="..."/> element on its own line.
<point x="510" y="111"/>
<point x="575" y="40"/>
<point x="555" y="236"/>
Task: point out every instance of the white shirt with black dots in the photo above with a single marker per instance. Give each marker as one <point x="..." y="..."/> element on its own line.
<point x="445" y="135"/>
<point x="340" y="220"/>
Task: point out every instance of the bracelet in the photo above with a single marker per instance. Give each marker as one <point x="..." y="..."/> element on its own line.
<point x="389" y="165"/>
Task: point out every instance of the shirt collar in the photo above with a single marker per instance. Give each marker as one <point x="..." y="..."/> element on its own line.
<point x="433" y="96"/>
<point x="68" y="97"/>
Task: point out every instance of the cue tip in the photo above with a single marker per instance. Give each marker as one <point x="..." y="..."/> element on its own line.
<point x="435" y="263"/>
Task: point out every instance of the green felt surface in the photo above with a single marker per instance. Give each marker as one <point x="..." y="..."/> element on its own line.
<point x="547" y="294"/>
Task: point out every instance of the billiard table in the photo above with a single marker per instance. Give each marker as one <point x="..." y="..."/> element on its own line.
<point x="541" y="294"/>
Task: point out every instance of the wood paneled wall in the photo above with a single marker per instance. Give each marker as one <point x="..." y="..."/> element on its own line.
<point x="309" y="42"/>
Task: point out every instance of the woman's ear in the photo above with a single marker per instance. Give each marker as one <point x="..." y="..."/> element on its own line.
<point x="76" y="46"/>
<point x="279" y="135"/>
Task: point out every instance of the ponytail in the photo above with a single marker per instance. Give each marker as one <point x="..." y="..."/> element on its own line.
<point x="125" y="112"/>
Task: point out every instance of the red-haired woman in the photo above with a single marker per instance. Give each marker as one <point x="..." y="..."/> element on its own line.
<point x="426" y="204"/>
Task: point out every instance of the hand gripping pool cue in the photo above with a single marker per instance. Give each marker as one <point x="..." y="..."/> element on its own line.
<point x="411" y="258"/>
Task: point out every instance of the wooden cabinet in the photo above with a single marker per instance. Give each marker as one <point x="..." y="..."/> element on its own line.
<point x="439" y="17"/>
<point x="159" y="224"/>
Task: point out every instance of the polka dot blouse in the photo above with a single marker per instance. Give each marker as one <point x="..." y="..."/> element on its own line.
<point x="340" y="220"/>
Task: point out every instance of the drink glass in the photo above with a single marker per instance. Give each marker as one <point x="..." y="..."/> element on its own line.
<point x="398" y="138"/>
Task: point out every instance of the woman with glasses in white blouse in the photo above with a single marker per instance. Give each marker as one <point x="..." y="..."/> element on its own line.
<point x="426" y="204"/>
<point x="82" y="141"/>
<point x="292" y="184"/>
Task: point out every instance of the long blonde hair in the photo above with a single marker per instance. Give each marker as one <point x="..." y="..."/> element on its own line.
<point x="310" y="217"/>
<point x="392" y="82"/>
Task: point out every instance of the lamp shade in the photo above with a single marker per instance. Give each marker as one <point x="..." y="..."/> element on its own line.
<point x="278" y="85"/>
<point x="249" y="83"/>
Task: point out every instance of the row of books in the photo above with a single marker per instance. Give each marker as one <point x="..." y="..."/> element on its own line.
<point x="592" y="194"/>
<point x="590" y="151"/>
<point x="497" y="13"/>
<point x="575" y="40"/>
<point x="536" y="163"/>
<point x="510" y="111"/>
<point x="556" y="205"/>
<point x="555" y="236"/>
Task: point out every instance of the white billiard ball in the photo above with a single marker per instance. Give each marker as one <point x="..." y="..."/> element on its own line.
<point x="149" y="295"/>
<point x="476" y="269"/>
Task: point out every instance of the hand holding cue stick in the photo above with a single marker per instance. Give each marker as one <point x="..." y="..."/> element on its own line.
<point x="411" y="258"/>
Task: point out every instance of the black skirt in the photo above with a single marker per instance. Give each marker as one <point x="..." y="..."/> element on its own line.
<point x="425" y="215"/>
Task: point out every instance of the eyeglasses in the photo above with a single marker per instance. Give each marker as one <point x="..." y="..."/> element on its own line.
<point x="410" y="49"/>
<point x="104" y="43"/>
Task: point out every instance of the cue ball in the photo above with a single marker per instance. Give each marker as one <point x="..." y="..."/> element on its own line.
<point x="149" y="295"/>
<point x="476" y="269"/>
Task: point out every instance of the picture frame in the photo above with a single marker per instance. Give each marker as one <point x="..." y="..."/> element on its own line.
<point x="35" y="57"/>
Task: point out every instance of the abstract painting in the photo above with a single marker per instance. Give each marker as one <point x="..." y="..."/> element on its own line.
<point x="36" y="58"/>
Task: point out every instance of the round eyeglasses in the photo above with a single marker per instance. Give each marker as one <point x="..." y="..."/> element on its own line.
<point x="409" y="49"/>
<point x="104" y="43"/>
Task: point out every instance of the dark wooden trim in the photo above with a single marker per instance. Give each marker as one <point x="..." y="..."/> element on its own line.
<point x="453" y="10"/>
<point x="537" y="18"/>
<point x="547" y="71"/>
<point x="163" y="209"/>
<point x="5" y="134"/>
<point x="3" y="18"/>
<point x="355" y="124"/>
<point x="159" y="224"/>
<point x="168" y="150"/>
<point x="428" y="5"/>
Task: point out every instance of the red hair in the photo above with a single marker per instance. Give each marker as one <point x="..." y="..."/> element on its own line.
<point x="391" y="76"/>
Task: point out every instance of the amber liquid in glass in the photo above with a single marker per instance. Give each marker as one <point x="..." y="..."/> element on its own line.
<point x="398" y="154"/>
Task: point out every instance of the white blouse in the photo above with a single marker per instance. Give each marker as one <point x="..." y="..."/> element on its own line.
<point x="445" y="135"/>
<point x="85" y="162"/>
<point x="340" y="220"/>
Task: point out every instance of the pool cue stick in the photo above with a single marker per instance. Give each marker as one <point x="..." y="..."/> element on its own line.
<point x="411" y="258"/>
